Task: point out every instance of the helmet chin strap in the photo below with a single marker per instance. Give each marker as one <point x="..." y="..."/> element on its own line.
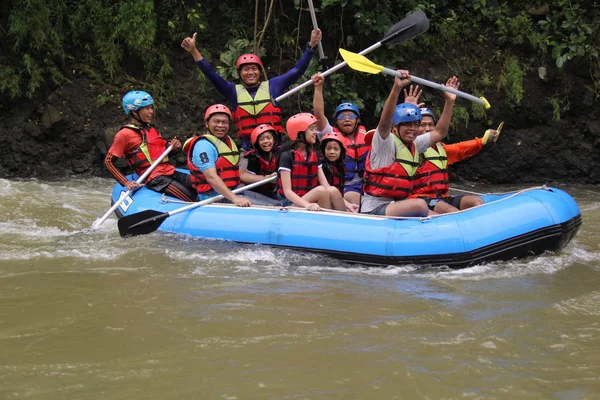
<point x="136" y="116"/>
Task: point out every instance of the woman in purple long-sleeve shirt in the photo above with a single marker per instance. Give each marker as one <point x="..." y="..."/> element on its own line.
<point x="250" y="100"/>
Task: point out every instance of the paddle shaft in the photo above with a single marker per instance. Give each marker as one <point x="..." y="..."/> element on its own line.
<point x="416" y="23"/>
<point x="434" y="85"/>
<point x="325" y="73"/>
<point x="313" y="16"/>
<point x="220" y="197"/>
<point x="128" y="192"/>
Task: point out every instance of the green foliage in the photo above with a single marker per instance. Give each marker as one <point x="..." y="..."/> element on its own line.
<point x="572" y="31"/>
<point x="559" y="106"/>
<point x="511" y="80"/>
<point x="46" y="42"/>
<point x="10" y="82"/>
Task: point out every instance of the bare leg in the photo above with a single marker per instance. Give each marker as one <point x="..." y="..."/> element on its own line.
<point x="318" y="195"/>
<point x="407" y="208"/>
<point x="336" y="198"/>
<point x="353" y="197"/>
<point x="469" y="201"/>
<point x="441" y="207"/>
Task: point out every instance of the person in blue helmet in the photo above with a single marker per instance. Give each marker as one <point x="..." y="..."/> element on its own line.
<point x="347" y="123"/>
<point x="140" y="144"/>
<point x="393" y="159"/>
<point x="431" y="179"/>
<point x="250" y="100"/>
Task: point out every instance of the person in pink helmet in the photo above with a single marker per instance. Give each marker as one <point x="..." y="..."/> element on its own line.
<point x="301" y="179"/>
<point x="250" y="100"/>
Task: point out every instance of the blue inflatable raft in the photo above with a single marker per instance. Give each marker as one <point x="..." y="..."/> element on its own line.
<point x="509" y="225"/>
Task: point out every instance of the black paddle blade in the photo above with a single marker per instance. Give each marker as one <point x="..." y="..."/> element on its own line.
<point x="140" y="223"/>
<point x="414" y="24"/>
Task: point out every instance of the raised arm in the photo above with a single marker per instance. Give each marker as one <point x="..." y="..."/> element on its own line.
<point x="226" y="88"/>
<point x="385" y="121"/>
<point x="441" y="128"/>
<point x="319" y="102"/>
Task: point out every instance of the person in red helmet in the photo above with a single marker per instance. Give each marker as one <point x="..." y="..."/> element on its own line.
<point x="259" y="164"/>
<point x="250" y="100"/>
<point x="213" y="159"/>
<point x="140" y="143"/>
<point x="301" y="179"/>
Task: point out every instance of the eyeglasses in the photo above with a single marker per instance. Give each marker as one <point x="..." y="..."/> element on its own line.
<point x="342" y="117"/>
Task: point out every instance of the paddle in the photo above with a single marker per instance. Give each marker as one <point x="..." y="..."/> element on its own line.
<point x="155" y="164"/>
<point x="149" y="220"/>
<point x="363" y="64"/>
<point x="313" y="16"/>
<point x="414" y="24"/>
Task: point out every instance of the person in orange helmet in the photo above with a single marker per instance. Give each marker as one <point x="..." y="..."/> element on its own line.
<point x="250" y="100"/>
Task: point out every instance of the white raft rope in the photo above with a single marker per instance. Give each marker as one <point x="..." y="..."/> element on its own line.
<point x="165" y="200"/>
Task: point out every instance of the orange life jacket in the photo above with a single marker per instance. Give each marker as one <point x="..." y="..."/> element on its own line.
<point x="153" y="145"/>
<point x="431" y="179"/>
<point x="356" y="152"/>
<point x="396" y="180"/>
<point x="227" y="164"/>
<point x="304" y="173"/>
<point x="251" y="112"/>
<point x="260" y="166"/>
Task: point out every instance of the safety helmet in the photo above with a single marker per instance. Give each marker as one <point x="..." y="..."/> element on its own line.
<point x="216" y="109"/>
<point x="299" y="123"/>
<point x="332" y="136"/>
<point x="346" y="107"/>
<point x="135" y="100"/>
<point x="406" y="112"/>
<point x="248" y="59"/>
<point x="428" y="111"/>
<point x="259" y="130"/>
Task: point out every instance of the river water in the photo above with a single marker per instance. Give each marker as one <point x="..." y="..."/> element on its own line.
<point x="85" y="314"/>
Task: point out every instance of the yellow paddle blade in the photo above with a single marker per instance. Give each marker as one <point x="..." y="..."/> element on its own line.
<point x="498" y="130"/>
<point x="360" y="63"/>
<point x="486" y="103"/>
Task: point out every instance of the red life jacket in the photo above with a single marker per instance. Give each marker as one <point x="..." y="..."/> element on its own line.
<point x="260" y="166"/>
<point x="227" y="164"/>
<point x="396" y="180"/>
<point x="251" y="112"/>
<point x="153" y="145"/>
<point x="304" y="173"/>
<point x="334" y="176"/>
<point x="431" y="179"/>
<point x="356" y="152"/>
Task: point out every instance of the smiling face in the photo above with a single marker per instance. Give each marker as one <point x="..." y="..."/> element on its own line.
<point x="332" y="151"/>
<point x="146" y="114"/>
<point x="409" y="131"/>
<point x="346" y="122"/>
<point x="266" y="140"/>
<point x="427" y="124"/>
<point x="218" y="125"/>
<point x="310" y="135"/>
<point x="250" y="74"/>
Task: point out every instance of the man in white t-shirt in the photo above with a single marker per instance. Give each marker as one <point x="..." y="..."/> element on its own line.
<point x="392" y="161"/>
